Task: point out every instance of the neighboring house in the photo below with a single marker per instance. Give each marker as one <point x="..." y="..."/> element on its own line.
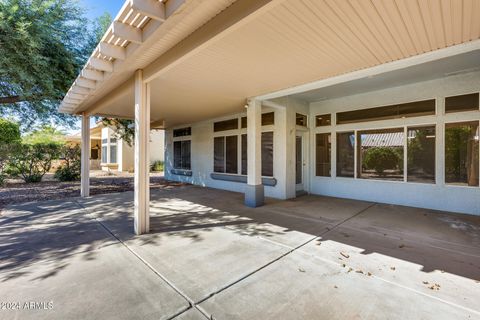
<point x="111" y="154"/>
<point x="281" y="98"/>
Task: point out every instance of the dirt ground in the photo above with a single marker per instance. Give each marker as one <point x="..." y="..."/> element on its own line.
<point x="16" y="191"/>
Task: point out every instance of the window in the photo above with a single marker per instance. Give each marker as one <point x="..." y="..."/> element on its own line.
<point x="421" y="154"/>
<point x="461" y="153"/>
<point x="323" y="120"/>
<point x="113" y="153"/>
<point x="182" y="132"/>
<point x="94" y="154"/>
<point x="267" y="154"/>
<point x="225" y="152"/>
<point x="231" y="124"/>
<point x="104" y="141"/>
<point x="104" y="154"/>
<point x="244" y="154"/>
<point x="380" y="154"/>
<point x="398" y="111"/>
<point x="301" y="120"/>
<point x="267" y="119"/>
<point x="323" y="152"/>
<point x="345" y="154"/>
<point x="466" y="102"/>
<point x="181" y="155"/>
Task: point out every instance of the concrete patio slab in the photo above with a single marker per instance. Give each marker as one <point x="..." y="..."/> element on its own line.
<point x="300" y="286"/>
<point x="191" y="314"/>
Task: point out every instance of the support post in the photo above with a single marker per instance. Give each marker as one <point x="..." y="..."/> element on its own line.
<point x="142" y="133"/>
<point x="85" y="157"/>
<point x="254" y="193"/>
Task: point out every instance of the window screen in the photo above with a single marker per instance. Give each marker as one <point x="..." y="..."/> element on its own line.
<point x="225" y="154"/>
<point x="113" y="154"/>
<point x="182" y="132"/>
<point x="244" y="154"/>
<point x="181" y="155"/>
<point x="323" y="154"/>
<point x="404" y="110"/>
<point x="323" y="120"/>
<point x="267" y="154"/>
<point x="466" y="102"/>
<point x="219" y="154"/>
<point x="104" y="154"/>
<point x="346" y="154"/>
<point x="421" y="154"/>
<point x="231" y="124"/>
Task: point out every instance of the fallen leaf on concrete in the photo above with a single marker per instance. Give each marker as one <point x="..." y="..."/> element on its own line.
<point x="345" y="255"/>
<point x="369" y="274"/>
<point x="425" y="282"/>
<point x="393" y="268"/>
<point x="335" y="287"/>
<point x="350" y="270"/>
<point x="401" y="246"/>
<point x="343" y="265"/>
<point x="359" y="271"/>
<point x="301" y="270"/>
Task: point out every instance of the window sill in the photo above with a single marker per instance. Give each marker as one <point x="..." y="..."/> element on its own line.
<point x="181" y="172"/>
<point x="240" y="178"/>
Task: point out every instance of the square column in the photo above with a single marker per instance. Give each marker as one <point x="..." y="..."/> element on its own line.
<point x="85" y="157"/>
<point x="254" y="193"/>
<point x="142" y="167"/>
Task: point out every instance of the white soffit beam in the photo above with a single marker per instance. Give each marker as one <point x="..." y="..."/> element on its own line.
<point x="72" y="101"/>
<point x="92" y="74"/>
<point x="377" y="70"/>
<point x="86" y="83"/>
<point x="127" y="32"/>
<point x="150" y="8"/>
<point x="75" y="96"/>
<point x="100" y="64"/>
<point x="79" y="90"/>
<point x="112" y="51"/>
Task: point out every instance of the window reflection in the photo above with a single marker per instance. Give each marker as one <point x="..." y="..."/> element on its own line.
<point x="380" y="154"/>
<point x="421" y="154"/>
<point x="461" y="153"/>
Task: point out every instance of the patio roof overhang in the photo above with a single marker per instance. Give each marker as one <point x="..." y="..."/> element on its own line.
<point x="207" y="57"/>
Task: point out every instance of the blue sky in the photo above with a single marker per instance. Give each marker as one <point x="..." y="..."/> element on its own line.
<point x="95" y="8"/>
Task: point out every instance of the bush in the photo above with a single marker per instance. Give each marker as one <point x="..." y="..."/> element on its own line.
<point x="381" y="159"/>
<point x="70" y="170"/>
<point x="157" y="166"/>
<point x="32" y="161"/>
<point x="9" y="139"/>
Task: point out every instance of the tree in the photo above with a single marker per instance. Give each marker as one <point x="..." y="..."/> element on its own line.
<point x="70" y="169"/>
<point x="42" y="48"/>
<point x="9" y="139"/>
<point x="381" y="159"/>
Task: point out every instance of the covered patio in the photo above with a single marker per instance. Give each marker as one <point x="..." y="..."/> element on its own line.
<point x="174" y="63"/>
<point x="209" y="256"/>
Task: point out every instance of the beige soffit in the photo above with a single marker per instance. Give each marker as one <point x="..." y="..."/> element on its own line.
<point x="142" y="30"/>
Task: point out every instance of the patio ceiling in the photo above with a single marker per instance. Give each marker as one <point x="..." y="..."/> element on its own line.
<point x="284" y="44"/>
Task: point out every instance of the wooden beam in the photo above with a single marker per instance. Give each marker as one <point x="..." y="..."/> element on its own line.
<point x="92" y="74"/>
<point x="150" y="8"/>
<point x="100" y="64"/>
<point x="112" y="51"/>
<point x="127" y="32"/>
<point x="72" y="100"/>
<point x="86" y="83"/>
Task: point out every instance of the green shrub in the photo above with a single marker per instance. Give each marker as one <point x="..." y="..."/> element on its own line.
<point x="70" y="170"/>
<point x="32" y="161"/>
<point x="157" y="166"/>
<point x="9" y="139"/>
<point x="381" y="159"/>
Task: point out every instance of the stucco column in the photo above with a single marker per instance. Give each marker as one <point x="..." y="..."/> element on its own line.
<point x="85" y="157"/>
<point x="254" y="193"/>
<point x="142" y="167"/>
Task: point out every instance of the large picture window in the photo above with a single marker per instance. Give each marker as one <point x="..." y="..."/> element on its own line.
<point x="380" y="154"/>
<point x="421" y="154"/>
<point x="323" y="153"/>
<point x="461" y="153"/>
<point x="182" y="154"/>
<point x="225" y="154"/>
<point x="113" y="153"/>
<point x="346" y="154"/>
